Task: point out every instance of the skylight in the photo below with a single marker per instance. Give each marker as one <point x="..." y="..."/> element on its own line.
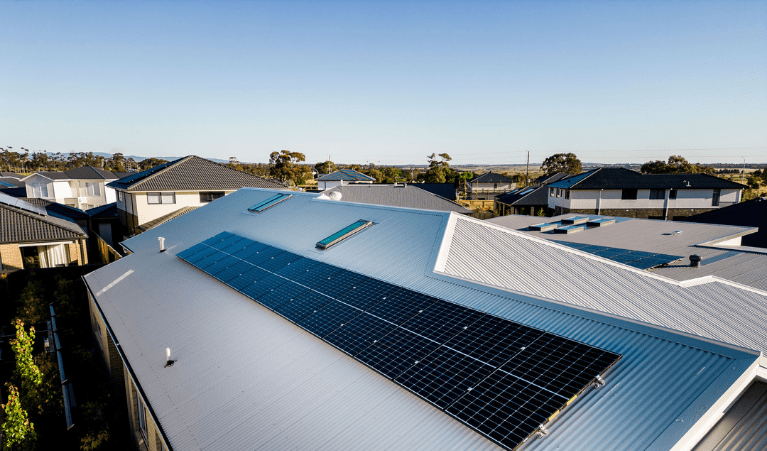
<point x="268" y="203"/>
<point x="343" y="234"/>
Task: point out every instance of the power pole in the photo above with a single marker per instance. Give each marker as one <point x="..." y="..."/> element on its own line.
<point x="527" y="176"/>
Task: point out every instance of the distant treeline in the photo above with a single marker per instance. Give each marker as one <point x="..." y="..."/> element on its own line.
<point x="26" y="161"/>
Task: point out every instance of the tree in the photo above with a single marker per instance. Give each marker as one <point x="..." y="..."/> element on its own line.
<point x="562" y="162"/>
<point x="439" y="169"/>
<point x="676" y="164"/>
<point x="285" y="167"/>
<point x="18" y="432"/>
<point x="325" y="167"/>
<point x="150" y="163"/>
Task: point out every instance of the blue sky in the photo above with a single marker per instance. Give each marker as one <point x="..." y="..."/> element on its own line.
<point x="388" y="82"/>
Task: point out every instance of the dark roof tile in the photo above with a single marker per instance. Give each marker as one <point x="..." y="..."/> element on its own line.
<point x="621" y="178"/>
<point x="491" y="177"/>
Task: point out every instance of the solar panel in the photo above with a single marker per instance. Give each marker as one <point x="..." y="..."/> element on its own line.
<point x="269" y="203"/>
<point x="24" y="205"/>
<point x="343" y="234"/>
<point x="502" y="378"/>
<point x="636" y="259"/>
<point x="6" y="184"/>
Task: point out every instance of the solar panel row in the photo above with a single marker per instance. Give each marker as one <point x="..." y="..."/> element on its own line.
<point x="501" y="378"/>
<point x="637" y="259"/>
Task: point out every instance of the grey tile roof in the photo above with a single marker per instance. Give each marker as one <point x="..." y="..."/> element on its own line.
<point x="57" y="209"/>
<point x="195" y="174"/>
<point x="165" y="218"/>
<point x="53" y="175"/>
<point x="90" y="173"/>
<point x="21" y="226"/>
<point x="103" y="211"/>
<point x="10" y="174"/>
<point x="346" y="175"/>
<point x="6" y="180"/>
<point x="408" y="196"/>
<point x="446" y="190"/>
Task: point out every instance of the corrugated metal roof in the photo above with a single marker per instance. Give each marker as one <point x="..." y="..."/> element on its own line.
<point x="743" y="427"/>
<point x="192" y="173"/>
<point x="407" y="196"/>
<point x="247" y="379"/>
<point x="658" y="236"/>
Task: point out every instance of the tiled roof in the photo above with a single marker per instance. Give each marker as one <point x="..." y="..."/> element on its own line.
<point x="408" y="196"/>
<point x="89" y="173"/>
<point x="621" y="178"/>
<point x="10" y="174"/>
<point x="529" y="195"/>
<point x="346" y="175"/>
<point x="57" y="208"/>
<point x="103" y="211"/>
<point x="53" y="175"/>
<point x="10" y="182"/>
<point x="491" y="177"/>
<point x="163" y="219"/>
<point x="19" y="226"/>
<point x="446" y="190"/>
<point x="193" y="173"/>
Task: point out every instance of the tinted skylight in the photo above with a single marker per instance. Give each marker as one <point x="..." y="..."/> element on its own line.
<point x="343" y="234"/>
<point x="268" y="203"/>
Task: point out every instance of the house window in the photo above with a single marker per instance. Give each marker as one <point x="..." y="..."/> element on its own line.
<point x="551" y="192"/>
<point x="559" y="193"/>
<point x="672" y="194"/>
<point x="92" y="189"/>
<point x="141" y="412"/>
<point x="657" y="194"/>
<point x="628" y="194"/>
<point x="161" y="198"/>
<point x="495" y="185"/>
<point x="210" y="196"/>
<point x="39" y="190"/>
<point x="715" y="199"/>
<point x="567" y="194"/>
<point x="120" y="196"/>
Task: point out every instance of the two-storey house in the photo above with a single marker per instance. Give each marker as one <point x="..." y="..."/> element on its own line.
<point x="342" y="177"/>
<point x="488" y="185"/>
<point x="157" y="195"/>
<point x="623" y="192"/>
<point x="83" y="187"/>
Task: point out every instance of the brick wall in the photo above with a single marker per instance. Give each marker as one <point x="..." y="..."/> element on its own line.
<point x="10" y="255"/>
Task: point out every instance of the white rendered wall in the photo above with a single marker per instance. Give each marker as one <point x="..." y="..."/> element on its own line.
<point x="147" y="212"/>
<point x="611" y="199"/>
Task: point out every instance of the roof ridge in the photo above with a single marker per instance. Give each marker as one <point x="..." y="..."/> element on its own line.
<point x="172" y="164"/>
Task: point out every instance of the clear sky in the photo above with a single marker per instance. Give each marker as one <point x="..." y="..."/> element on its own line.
<point x="388" y="82"/>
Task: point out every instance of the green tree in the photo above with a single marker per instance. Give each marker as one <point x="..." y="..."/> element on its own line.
<point x="150" y="163"/>
<point x="325" y="167"/>
<point x="439" y="169"/>
<point x="22" y="347"/>
<point x="676" y="164"/>
<point x="18" y="432"/>
<point x="562" y="162"/>
<point x="285" y="166"/>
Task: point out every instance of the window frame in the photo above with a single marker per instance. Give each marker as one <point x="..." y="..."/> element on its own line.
<point x="120" y="197"/>
<point x="672" y="193"/>
<point x="567" y="194"/>
<point x="657" y="193"/>
<point x="716" y="197"/>
<point x="161" y="197"/>
<point x="629" y="194"/>
<point x="141" y="417"/>
<point x="92" y="189"/>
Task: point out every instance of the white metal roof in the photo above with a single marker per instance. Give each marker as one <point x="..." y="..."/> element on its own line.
<point x="248" y="379"/>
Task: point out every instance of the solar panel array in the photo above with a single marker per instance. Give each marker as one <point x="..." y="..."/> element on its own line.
<point x="501" y="378"/>
<point x="637" y="259"/>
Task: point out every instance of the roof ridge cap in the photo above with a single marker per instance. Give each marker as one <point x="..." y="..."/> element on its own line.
<point x="172" y="164"/>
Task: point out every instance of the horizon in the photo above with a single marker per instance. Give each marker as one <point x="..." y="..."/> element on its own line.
<point x="484" y="82"/>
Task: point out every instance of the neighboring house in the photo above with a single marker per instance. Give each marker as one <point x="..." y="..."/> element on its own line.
<point x="623" y="192"/>
<point x="342" y="177"/>
<point x="36" y="237"/>
<point x="488" y="185"/>
<point x="181" y="184"/>
<point x="409" y="196"/>
<point x="530" y="200"/>
<point x="105" y="222"/>
<point x="722" y="249"/>
<point x="10" y="182"/>
<point x="83" y="187"/>
<point x="295" y="322"/>
<point x="752" y="213"/>
<point x="11" y="175"/>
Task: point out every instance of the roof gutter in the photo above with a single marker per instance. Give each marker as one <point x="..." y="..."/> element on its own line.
<point x="127" y="365"/>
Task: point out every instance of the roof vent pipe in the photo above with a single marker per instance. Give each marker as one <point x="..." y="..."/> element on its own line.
<point x="162" y="243"/>
<point x="695" y="260"/>
<point x="168" y="361"/>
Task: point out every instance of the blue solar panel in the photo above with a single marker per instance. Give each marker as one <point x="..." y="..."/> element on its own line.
<point x="502" y="378"/>
<point x="636" y="259"/>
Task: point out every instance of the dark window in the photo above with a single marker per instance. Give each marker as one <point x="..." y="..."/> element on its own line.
<point x="629" y="194"/>
<point x="210" y="196"/>
<point x="657" y="194"/>
<point x="567" y="194"/>
<point x="715" y="199"/>
<point x="672" y="194"/>
<point x="30" y="257"/>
